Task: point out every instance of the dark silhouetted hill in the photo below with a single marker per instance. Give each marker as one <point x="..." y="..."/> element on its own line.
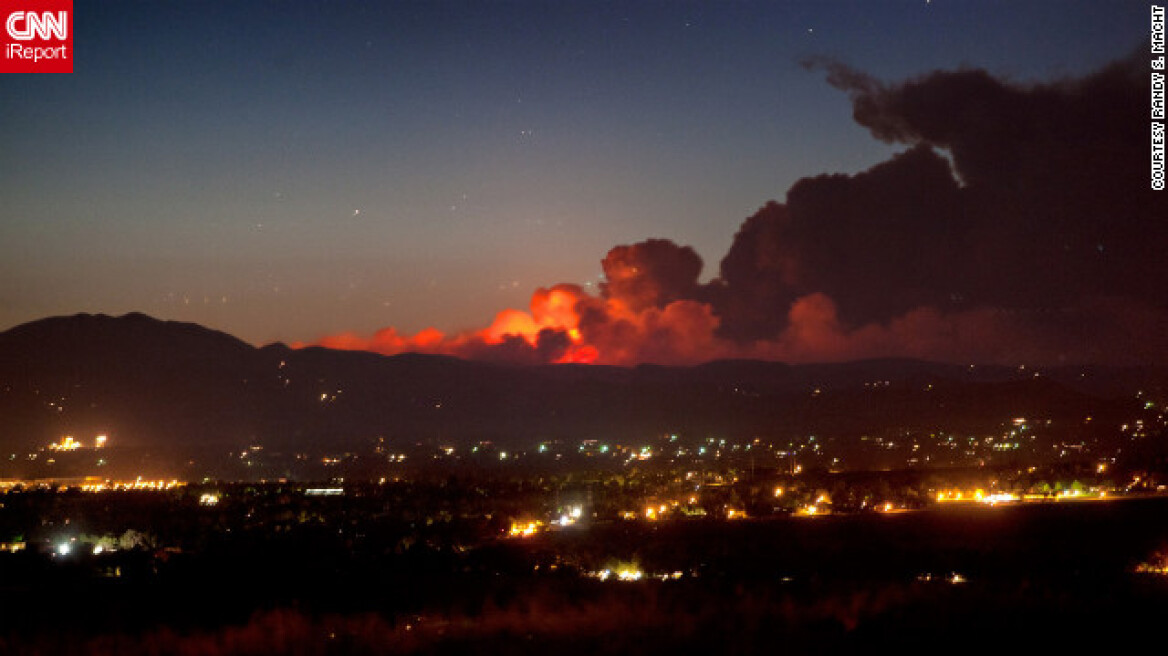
<point x="179" y="386"/>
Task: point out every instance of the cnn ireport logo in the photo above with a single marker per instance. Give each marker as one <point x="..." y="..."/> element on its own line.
<point x="37" y="36"/>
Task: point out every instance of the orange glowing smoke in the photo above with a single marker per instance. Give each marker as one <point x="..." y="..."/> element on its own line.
<point x="565" y="325"/>
<point x="651" y="309"/>
<point x="551" y="310"/>
<point x="553" y="313"/>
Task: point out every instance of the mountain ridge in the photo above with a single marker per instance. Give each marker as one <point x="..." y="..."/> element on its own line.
<point x="181" y="386"/>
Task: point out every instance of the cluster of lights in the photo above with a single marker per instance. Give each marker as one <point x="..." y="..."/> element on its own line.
<point x="953" y="578"/>
<point x="69" y="546"/>
<point x="524" y="529"/>
<point x="137" y="484"/>
<point x="653" y="513"/>
<point x="631" y="573"/>
<point x="571" y="517"/>
<point x="659" y="512"/>
<point x="631" y="454"/>
<point x="821" y="506"/>
<point x="1158" y="565"/>
<point x="978" y="496"/>
<point x="68" y="443"/>
<point x="624" y="574"/>
<point x="995" y="498"/>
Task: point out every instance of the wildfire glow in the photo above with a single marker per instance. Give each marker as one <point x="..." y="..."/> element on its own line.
<point x="651" y="309"/>
<point x="553" y="314"/>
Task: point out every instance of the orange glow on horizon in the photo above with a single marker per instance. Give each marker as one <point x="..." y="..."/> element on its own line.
<point x="565" y="324"/>
<point x="586" y="354"/>
<point x="553" y="311"/>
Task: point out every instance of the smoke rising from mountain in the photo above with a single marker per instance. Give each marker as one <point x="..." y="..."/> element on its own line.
<point x="1017" y="226"/>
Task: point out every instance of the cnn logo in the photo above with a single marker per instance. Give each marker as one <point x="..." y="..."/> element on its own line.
<point x="37" y="37"/>
<point x="27" y="25"/>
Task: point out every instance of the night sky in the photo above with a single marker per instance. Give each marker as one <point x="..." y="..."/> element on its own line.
<point x="958" y="181"/>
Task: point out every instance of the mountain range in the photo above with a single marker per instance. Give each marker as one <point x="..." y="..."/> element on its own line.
<point x="179" y="388"/>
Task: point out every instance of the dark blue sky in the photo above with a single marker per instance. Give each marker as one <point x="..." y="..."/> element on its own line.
<point x="282" y="170"/>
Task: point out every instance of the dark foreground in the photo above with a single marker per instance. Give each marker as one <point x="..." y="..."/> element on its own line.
<point x="1004" y="580"/>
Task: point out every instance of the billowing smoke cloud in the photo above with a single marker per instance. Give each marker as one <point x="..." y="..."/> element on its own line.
<point x="879" y="243"/>
<point x="1017" y="226"/>
<point x="1056" y="201"/>
<point x="650" y="274"/>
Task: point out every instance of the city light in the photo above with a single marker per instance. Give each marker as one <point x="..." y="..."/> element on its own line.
<point x="67" y="443"/>
<point x="138" y="484"/>
<point x="1157" y="564"/>
<point x="523" y="529"/>
<point x="625" y="572"/>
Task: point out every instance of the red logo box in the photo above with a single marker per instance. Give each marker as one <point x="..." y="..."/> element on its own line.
<point x="36" y="36"/>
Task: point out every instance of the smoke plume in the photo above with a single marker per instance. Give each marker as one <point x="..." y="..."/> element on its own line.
<point x="1016" y="227"/>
